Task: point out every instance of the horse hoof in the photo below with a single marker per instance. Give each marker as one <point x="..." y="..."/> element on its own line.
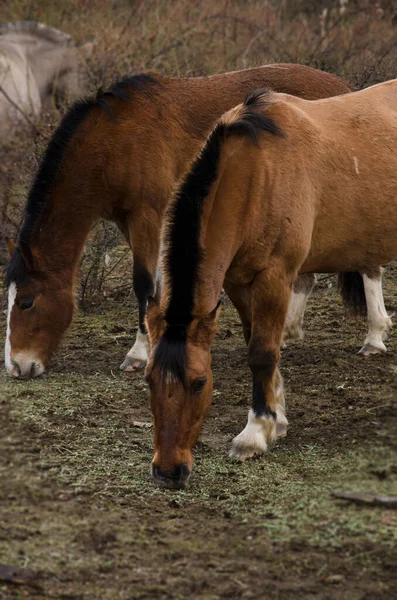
<point x="369" y="350"/>
<point x="131" y="365"/>
<point x="292" y="335"/>
<point x="242" y="453"/>
<point x="255" y="437"/>
<point x="281" y="429"/>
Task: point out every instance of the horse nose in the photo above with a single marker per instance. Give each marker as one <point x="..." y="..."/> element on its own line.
<point x="174" y="480"/>
<point x="25" y="369"/>
<point x="15" y="369"/>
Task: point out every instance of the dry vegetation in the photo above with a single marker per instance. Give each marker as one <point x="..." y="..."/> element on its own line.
<point x="356" y="39"/>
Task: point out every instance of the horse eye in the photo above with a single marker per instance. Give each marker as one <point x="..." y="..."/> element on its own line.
<point x="26" y="304"/>
<point x="198" y="385"/>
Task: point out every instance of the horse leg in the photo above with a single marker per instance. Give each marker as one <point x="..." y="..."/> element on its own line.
<point x="379" y="321"/>
<point x="300" y="294"/>
<point x="241" y="299"/>
<point x="144" y="234"/>
<point x="266" y="418"/>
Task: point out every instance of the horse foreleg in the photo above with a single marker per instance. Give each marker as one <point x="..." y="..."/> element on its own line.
<point x="241" y="299"/>
<point x="300" y="294"/>
<point x="144" y="235"/>
<point x="379" y="321"/>
<point x="266" y="418"/>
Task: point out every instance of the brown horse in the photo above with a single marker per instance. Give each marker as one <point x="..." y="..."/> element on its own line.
<point x="118" y="156"/>
<point x="282" y="186"/>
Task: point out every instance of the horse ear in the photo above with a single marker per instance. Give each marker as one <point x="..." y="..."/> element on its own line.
<point x="206" y="324"/>
<point x="154" y="319"/>
<point x="11" y="247"/>
<point x="210" y="319"/>
<point x="214" y="314"/>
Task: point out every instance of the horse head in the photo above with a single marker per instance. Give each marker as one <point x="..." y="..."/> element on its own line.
<point x="180" y="381"/>
<point x="40" y="308"/>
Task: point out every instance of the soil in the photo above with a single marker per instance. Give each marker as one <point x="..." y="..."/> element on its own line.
<point x="78" y="506"/>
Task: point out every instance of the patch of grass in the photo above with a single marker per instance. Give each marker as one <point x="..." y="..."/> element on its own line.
<point x="77" y="470"/>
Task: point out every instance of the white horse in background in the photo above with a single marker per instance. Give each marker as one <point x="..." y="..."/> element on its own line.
<point x="36" y="61"/>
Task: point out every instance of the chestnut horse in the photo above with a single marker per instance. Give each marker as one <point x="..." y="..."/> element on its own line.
<point x="118" y="156"/>
<point x="282" y="186"/>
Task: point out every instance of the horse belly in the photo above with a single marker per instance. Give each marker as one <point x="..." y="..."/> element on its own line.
<point x="357" y="234"/>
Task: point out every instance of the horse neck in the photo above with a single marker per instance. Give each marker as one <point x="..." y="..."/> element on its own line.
<point x="60" y="245"/>
<point x="219" y="246"/>
<point x="66" y="219"/>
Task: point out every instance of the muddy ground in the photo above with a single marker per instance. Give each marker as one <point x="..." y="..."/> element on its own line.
<point x="79" y="508"/>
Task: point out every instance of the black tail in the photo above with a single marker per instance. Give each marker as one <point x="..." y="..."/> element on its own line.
<point x="351" y="288"/>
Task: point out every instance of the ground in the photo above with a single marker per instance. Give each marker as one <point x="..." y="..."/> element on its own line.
<point x="78" y="505"/>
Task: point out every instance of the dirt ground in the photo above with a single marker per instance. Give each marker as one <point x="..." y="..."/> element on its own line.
<point x="79" y="508"/>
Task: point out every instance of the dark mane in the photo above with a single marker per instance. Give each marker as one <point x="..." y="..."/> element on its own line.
<point x="44" y="180"/>
<point x="184" y="253"/>
<point x="123" y="88"/>
<point x="183" y="257"/>
<point x="171" y="357"/>
<point x="47" y="172"/>
<point x="250" y="122"/>
<point x="16" y="270"/>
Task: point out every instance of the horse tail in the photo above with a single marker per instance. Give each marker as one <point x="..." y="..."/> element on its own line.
<point x="351" y="288"/>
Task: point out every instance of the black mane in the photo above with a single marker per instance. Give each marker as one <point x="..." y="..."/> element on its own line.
<point x="252" y="123"/>
<point x="123" y="88"/>
<point x="184" y="253"/>
<point x="17" y="270"/>
<point x="184" y="256"/>
<point x="42" y="184"/>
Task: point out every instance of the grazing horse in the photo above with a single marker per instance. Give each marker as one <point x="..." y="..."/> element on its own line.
<point x="118" y="156"/>
<point x="35" y="61"/>
<point x="282" y="186"/>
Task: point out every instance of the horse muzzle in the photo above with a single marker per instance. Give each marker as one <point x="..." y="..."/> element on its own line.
<point x="25" y="368"/>
<point x="173" y="480"/>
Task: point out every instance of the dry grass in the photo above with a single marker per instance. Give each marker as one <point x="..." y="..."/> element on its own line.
<point x="79" y="506"/>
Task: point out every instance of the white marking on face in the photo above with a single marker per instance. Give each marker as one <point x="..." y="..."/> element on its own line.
<point x="12" y="294"/>
<point x="356" y="165"/>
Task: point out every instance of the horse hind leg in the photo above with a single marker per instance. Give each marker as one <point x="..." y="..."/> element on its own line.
<point x="300" y="294"/>
<point x="379" y="321"/>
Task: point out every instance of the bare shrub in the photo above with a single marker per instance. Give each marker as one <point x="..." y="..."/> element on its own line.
<point x="355" y="39"/>
<point x="106" y="265"/>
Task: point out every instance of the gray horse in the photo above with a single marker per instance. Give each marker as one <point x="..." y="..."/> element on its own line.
<point x="36" y="61"/>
